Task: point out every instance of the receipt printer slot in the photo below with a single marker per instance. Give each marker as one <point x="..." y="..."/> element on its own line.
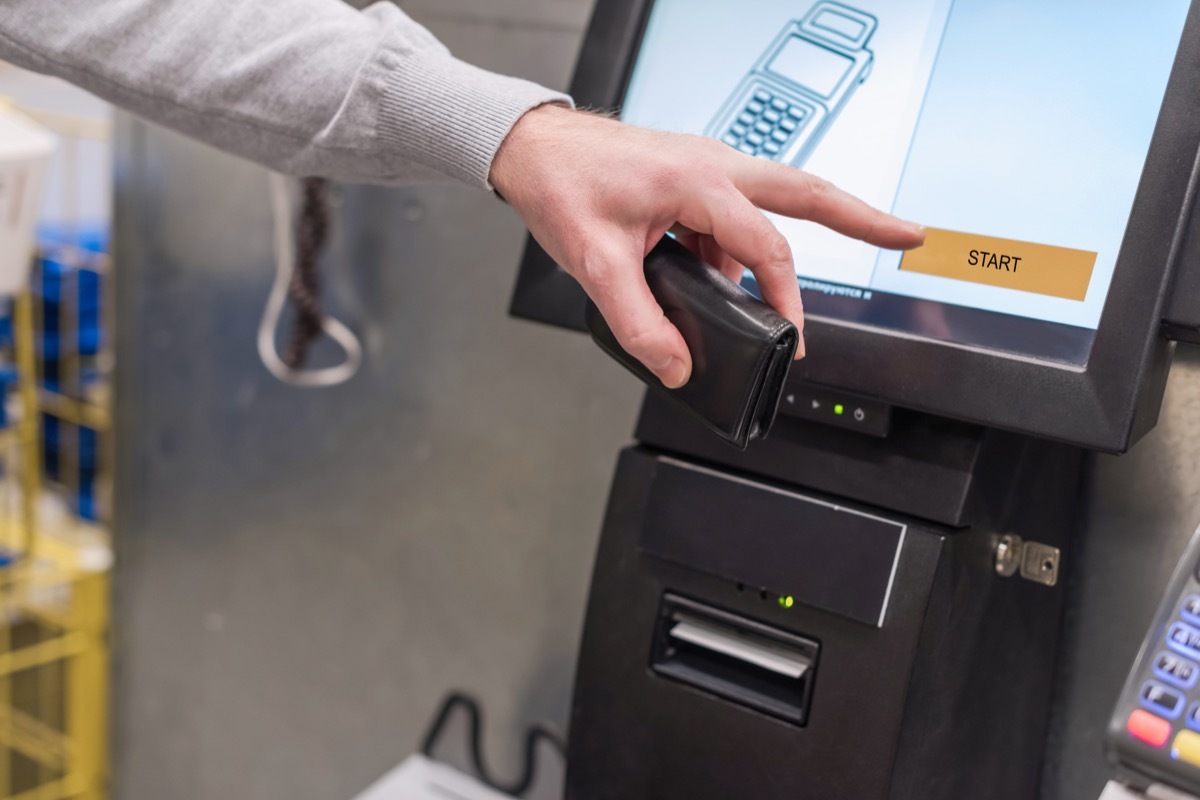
<point x="734" y="658"/>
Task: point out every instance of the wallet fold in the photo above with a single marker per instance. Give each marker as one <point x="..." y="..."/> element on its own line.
<point x="741" y="348"/>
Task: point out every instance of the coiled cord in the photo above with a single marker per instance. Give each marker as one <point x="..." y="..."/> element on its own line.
<point x="302" y="284"/>
<point x="534" y="734"/>
<point x="304" y="290"/>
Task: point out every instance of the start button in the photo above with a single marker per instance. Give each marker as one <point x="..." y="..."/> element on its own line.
<point x="1012" y="264"/>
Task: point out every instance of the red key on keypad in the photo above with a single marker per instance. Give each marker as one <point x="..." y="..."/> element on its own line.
<point x="1148" y="728"/>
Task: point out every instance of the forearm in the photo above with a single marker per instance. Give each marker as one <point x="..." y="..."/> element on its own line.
<point x="303" y="86"/>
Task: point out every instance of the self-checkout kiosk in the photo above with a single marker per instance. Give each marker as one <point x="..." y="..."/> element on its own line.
<point x="867" y="604"/>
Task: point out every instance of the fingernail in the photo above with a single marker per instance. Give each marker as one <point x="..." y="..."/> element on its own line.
<point x="918" y="229"/>
<point x="675" y="374"/>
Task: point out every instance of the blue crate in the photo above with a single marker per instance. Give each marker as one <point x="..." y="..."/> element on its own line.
<point x="85" y="501"/>
<point x="8" y="379"/>
<point x="87" y="312"/>
<point x="93" y="237"/>
<point x="49" y="287"/>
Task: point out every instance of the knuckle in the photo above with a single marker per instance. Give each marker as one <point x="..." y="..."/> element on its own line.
<point x="711" y="174"/>
<point x="642" y="341"/>
<point x="869" y="227"/>
<point x="708" y="160"/>
<point x="591" y="264"/>
<point x="778" y="250"/>
<point x="701" y="145"/>
<point x="817" y="188"/>
<point x="664" y="177"/>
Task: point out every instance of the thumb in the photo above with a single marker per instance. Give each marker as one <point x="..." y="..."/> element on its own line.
<point x="638" y="322"/>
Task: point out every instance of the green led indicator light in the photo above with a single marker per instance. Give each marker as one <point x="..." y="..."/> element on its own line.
<point x="787" y="602"/>
<point x="839" y="409"/>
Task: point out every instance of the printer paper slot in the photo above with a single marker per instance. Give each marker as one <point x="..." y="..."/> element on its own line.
<point x="737" y="659"/>
<point x="781" y="660"/>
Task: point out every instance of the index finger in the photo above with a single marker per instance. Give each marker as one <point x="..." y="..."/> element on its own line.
<point x="793" y="193"/>
<point x="747" y="236"/>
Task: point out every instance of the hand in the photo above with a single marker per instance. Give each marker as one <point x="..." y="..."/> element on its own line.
<point x="598" y="195"/>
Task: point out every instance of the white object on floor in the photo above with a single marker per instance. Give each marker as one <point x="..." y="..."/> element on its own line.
<point x="419" y="778"/>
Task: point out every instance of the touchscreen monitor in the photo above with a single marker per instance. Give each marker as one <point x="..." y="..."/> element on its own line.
<point x="1015" y="131"/>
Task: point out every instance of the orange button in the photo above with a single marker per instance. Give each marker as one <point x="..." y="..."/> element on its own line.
<point x="1150" y="729"/>
<point x="1012" y="264"/>
<point x="1187" y="748"/>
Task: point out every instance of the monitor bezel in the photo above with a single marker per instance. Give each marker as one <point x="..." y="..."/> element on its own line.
<point x="1106" y="404"/>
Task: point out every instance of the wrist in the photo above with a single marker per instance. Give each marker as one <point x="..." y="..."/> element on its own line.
<point x="524" y="146"/>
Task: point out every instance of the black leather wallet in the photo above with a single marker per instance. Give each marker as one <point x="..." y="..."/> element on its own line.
<point x="741" y="348"/>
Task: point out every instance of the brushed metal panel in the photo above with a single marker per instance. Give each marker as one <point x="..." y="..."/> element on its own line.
<point x="302" y="574"/>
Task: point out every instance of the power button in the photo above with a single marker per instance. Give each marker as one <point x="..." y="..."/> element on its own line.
<point x="859" y="414"/>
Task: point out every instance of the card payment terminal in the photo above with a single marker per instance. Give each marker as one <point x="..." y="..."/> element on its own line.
<point x="799" y="85"/>
<point x="1154" y="734"/>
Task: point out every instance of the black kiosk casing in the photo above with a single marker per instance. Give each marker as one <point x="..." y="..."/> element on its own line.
<point x="931" y="676"/>
<point x="822" y="615"/>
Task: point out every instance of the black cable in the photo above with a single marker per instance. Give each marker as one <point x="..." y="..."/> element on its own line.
<point x="533" y="734"/>
<point x="304" y="290"/>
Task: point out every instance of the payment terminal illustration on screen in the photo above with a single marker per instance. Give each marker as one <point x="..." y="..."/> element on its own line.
<point x="799" y="85"/>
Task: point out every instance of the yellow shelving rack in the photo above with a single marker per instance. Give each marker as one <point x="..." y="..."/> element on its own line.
<point x="54" y="602"/>
<point x="54" y="582"/>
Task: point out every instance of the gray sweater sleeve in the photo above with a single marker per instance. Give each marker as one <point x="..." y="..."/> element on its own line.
<point x="310" y="87"/>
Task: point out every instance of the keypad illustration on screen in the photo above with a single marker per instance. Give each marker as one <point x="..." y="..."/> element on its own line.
<point x="799" y="85"/>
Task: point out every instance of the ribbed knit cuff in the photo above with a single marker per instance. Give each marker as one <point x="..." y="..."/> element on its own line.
<point x="453" y="117"/>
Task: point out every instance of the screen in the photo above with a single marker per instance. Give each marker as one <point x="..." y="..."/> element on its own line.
<point x="810" y="65"/>
<point x="1016" y="131"/>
